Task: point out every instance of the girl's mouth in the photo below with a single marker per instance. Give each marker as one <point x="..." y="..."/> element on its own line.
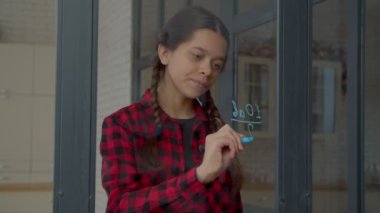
<point x="200" y="84"/>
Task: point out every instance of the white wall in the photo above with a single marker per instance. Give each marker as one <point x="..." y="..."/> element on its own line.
<point x="27" y="104"/>
<point x="28" y="21"/>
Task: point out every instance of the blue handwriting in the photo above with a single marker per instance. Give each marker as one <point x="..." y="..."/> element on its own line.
<point x="246" y="116"/>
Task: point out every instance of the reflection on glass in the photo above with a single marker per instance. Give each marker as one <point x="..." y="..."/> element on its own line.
<point x="173" y="6"/>
<point x="372" y="107"/>
<point x="27" y="98"/>
<point x="329" y="116"/>
<point x="255" y="110"/>
<point x="145" y="79"/>
<point x="323" y="94"/>
<point x="255" y="84"/>
<point x="149" y="26"/>
<point x="246" y="5"/>
<point x="212" y="5"/>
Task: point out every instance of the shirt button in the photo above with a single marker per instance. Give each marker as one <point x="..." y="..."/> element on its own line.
<point x="201" y="148"/>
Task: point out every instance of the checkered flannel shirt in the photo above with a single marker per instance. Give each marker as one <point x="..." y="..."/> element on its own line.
<point x="169" y="189"/>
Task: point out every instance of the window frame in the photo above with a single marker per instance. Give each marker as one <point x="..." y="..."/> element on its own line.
<point x="75" y="123"/>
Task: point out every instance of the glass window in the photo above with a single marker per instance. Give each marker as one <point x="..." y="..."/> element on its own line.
<point x="324" y="95"/>
<point x="246" y="5"/>
<point x="329" y="116"/>
<point x="173" y="6"/>
<point x="145" y="79"/>
<point x="253" y="114"/>
<point x="149" y="26"/>
<point x="212" y="5"/>
<point x="372" y="107"/>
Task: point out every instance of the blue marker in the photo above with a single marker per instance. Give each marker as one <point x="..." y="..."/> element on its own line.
<point x="247" y="139"/>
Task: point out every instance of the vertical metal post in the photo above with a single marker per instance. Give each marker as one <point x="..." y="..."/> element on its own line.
<point x="75" y="132"/>
<point x="355" y="98"/>
<point x="294" y="106"/>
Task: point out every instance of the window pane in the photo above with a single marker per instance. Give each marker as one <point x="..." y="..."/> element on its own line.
<point x="329" y="116"/>
<point x="149" y="26"/>
<point x="173" y="6"/>
<point x="145" y="79"/>
<point x="254" y="114"/>
<point x="27" y="105"/>
<point x="246" y="5"/>
<point x="372" y="107"/>
<point x="324" y="95"/>
<point x="212" y="5"/>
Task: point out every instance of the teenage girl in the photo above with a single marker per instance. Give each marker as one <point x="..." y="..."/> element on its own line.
<point x="170" y="152"/>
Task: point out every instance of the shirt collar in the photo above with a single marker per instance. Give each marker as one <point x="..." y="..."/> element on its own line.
<point x="199" y="112"/>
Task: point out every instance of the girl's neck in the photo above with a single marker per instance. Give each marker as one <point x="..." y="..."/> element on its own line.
<point x="174" y="104"/>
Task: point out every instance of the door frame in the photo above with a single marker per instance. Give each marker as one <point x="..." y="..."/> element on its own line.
<point x="355" y="105"/>
<point x="75" y="113"/>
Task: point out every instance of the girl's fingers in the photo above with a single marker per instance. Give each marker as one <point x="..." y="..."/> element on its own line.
<point x="238" y="140"/>
<point x="227" y="144"/>
<point x="232" y="141"/>
<point x="228" y="140"/>
<point x="236" y="137"/>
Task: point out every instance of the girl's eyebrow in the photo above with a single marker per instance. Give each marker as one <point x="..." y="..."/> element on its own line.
<point x="204" y="50"/>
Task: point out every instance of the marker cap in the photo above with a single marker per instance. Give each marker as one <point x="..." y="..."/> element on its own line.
<point x="247" y="139"/>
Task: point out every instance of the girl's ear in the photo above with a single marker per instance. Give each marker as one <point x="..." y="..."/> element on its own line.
<point x="163" y="54"/>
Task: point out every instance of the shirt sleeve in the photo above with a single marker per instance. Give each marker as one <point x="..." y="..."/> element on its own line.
<point x="125" y="186"/>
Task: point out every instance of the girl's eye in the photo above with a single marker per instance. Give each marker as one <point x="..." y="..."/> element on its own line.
<point x="217" y="67"/>
<point x="196" y="56"/>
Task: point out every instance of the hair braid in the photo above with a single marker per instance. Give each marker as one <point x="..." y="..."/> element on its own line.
<point x="148" y="154"/>
<point x="216" y="122"/>
<point x="156" y="75"/>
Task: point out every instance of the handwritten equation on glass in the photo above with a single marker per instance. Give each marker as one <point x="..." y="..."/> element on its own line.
<point x="250" y="116"/>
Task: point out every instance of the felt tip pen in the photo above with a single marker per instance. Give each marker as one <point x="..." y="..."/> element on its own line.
<point x="247" y="139"/>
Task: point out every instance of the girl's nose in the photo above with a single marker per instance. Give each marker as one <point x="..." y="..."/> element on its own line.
<point x="206" y="69"/>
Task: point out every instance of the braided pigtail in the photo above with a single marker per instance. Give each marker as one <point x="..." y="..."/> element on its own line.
<point x="149" y="152"/>
<point x="216" y="122"/>
<point x="156" y="75"/>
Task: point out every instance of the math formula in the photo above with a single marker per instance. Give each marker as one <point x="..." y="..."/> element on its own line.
<point x="248" y="115"/>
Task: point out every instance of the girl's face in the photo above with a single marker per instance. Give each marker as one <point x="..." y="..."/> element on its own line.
<point x="193" y="67"/>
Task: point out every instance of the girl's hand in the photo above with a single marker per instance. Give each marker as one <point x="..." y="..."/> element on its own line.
<point x="220" y="149"/>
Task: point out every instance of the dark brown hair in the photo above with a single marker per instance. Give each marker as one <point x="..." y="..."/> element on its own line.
<point x="177" y="30"/>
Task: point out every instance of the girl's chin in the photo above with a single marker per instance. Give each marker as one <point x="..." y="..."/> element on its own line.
<point x="191" y="94"/>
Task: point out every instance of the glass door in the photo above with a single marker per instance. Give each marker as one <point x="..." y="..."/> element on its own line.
<point x="329" y="107"/>
<point x="372" y="108"/>
<point x="251" y="96"/>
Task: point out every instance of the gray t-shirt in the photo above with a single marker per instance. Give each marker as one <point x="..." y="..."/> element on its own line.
<point x="187" y="136"/>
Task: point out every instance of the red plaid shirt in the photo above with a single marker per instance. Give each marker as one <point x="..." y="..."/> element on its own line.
<point x="170" y="189"/>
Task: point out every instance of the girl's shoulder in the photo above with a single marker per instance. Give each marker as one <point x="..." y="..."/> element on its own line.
<point x="137" y="117"/>
<point x="138" y="110"/>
